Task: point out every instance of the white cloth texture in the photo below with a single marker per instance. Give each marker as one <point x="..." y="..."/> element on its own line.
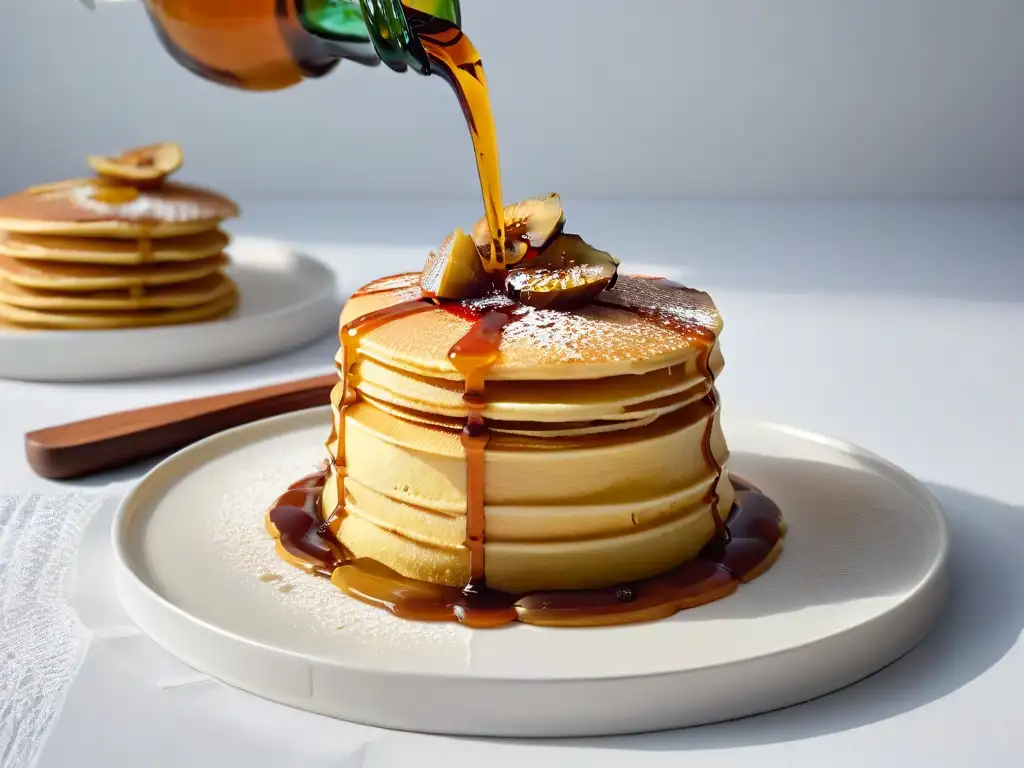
<point x="42" y="643"/>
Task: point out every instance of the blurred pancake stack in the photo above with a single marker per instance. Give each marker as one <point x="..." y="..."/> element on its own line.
<point x="126" y="248"/>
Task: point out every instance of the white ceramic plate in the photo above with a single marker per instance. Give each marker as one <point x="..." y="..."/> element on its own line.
<point x="860" y="582"/>
<point x="286" y="300"/>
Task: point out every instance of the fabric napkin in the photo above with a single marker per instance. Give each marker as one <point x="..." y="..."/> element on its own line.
<point x="129" y="702"/>
<point x="42" y="643"/>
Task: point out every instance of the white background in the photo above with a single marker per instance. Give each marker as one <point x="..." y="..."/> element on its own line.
<point x="603" y="98"/>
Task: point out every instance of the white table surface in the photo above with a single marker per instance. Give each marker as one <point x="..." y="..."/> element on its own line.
<point x="898" y="326"/>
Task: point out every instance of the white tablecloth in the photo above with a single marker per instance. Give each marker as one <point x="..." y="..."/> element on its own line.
<point x="898" y="326"/>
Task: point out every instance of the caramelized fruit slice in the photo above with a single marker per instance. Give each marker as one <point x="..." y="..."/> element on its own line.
<point x="530" y="223"/>
<point x="454" y="271"/>
<point x="566" y="274"/>
<point x="558" y="288"/>
<point x="152" y="163"/>
<point x="569" y="250"/>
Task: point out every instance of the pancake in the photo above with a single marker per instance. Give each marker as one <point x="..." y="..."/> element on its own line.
<point x="71" y="277"/>
<point x="605" y="460"/>
<point x="623" y="397"/>
<point x="67" y="320"/>
<point x="179" y="295"/>
<point x="82" y="250"/>
<point x="79" y="208"/>
<point x="595" y="341"/>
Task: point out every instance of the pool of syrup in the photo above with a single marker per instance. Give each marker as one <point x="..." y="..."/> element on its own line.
<point x="305" y="537"/>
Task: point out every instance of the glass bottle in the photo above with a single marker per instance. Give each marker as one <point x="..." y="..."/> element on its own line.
<point x="265" y="45"/>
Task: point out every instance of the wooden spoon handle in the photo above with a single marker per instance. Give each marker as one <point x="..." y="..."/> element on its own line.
<point x="117" y="439"/>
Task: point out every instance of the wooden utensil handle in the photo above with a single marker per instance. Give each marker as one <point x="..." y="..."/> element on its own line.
<point x="117" y="439"/>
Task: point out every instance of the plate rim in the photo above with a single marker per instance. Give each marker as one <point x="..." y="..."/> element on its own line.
<point x="129" y="505"/>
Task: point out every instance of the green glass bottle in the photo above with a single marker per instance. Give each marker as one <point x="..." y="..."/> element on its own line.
<point x="386" y="23"/>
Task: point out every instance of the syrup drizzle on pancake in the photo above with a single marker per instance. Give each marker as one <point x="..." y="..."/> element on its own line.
<point x="146" y="246"/>
<point x="703" y="335"/>
<point x="472" y="356"/>
<point x="745" y="545"/>
<point x="350" y="335"/>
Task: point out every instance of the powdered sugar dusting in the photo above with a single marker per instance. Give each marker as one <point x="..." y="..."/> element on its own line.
<point x="604" y="332"/>
<point x="561" y="333"/>
<point x="665" y="298"/>
<point x="491" y="302"/>
<point x="241" y="539"/>
<point x="146" y="207"/>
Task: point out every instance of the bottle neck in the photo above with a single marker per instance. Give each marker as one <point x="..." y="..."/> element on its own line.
<point x="373" y="31"/>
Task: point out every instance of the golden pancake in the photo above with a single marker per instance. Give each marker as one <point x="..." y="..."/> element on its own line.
<point x="81" y="250"/>
<point x="598" y="340"/>
<point x="625" y="397"/>
<point x="70" y="277"/>
<point x="90" y="208"/>
<point x="600" y="421"/>
<point x="179" y="295"/>
<point x="75" y="321"/>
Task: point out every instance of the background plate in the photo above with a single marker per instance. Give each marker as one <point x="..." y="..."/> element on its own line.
<point x="286" y="300"/>
<point x="860" y="582"/>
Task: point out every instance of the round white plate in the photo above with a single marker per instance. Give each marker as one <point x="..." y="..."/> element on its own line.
<point x="860" y="582"/>
<point x="286" y="300"/>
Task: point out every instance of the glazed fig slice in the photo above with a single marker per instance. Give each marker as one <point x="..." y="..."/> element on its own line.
<point x="569" y="250"/>
<point x="530" y="223"/>
<point x="568" y="273"/>
<point x="455" y="271"/>
<point x="558" y="288"/>
<point x="151" y="164"/>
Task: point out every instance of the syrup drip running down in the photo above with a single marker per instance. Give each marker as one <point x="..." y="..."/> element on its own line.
<point x="700" y="335"/>
<point x="350" y="335"/>
<point x="145" y="248"/>
<point x="473" y="356"/>
<point x="711" y="398"/>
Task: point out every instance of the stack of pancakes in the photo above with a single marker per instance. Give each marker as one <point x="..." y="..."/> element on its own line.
<point x="600" y="421"/>
<point x="124" y="249"/>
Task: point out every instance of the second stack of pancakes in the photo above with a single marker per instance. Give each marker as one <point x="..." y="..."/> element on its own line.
<point x="126" y="248"/>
